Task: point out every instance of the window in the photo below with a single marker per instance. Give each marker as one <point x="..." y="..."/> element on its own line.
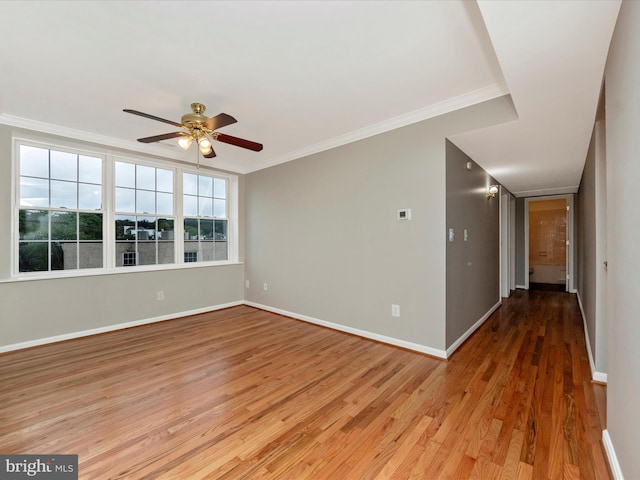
<point x="205" y="217"/>
<point x="190" y="257"/>
<point x="60" y="210"/>
<point x="144" y="221"/>
<point x="129" y="259"/>
<point x="79" y="210"/>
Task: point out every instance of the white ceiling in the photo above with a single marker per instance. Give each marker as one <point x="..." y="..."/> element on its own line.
<point x="302" y="77"/>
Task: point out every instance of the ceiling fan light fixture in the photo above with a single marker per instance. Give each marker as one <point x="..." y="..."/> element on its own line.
<point x="195" y="126"/>
<point x="185" y="142"/>
<point x="204" y="144"/>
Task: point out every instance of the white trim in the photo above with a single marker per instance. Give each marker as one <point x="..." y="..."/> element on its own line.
<point x="461" y="101"/>
<point x="505" y="217"/>
<point x="599" y="377"/>
<point x="512" y="242"/>
<point x="611" y="456"/>
<point x="570" y="283"/>
<point x="109" y="159"/>
<point x="334" y="326"/>
<point x="111" y="328"/>
<point x="171" y="151"/>
<point x="547" y="191"/>
<point x="473" y="328"/>
<point x="96" y="272"/>
<point x="595" y="375"/>
<point x="167" y="151"/>
<point x="522" y="287"/>
<point x="354" y="331"/>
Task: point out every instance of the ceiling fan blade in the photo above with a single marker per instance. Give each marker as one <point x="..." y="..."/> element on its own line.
<point x="211" y="154"/>
<point x="238" y="142"/>
<point x="152" y="117"/>
<point x="219" y="121"/>
<point x="165" y="136"/>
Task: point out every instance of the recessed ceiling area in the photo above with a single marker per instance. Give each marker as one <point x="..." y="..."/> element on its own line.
<point x="553" y="56"/>
<point x="302" y="77"/>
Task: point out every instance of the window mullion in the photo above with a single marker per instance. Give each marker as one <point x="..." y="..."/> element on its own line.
<point x="108" y="198"/>
<point x="178" y="224"/>
<point x="49" y="240"/>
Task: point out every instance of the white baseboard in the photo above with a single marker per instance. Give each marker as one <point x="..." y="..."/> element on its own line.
<point x="473" y="328"/>
<point x="521" y="287"/>
<point x="354" y="331"/>
<point x="111" y="328"/>
<point x="596" y="376"/>
<point x="611" y="456"/>
<point x="599" y="377"/>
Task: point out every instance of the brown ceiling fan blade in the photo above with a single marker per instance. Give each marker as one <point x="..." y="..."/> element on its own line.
<point x="238" y="142"/>
<point x="219" y="121"/>
<point x="211" y="154"/>
<point x="165" y="136"/>
<point x="152" y="117"/>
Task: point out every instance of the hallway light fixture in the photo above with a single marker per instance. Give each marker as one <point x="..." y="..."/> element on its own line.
<point x="493" y="190"/>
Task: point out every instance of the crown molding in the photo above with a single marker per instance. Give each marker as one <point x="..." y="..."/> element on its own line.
<point x="165" y="151"/>
<point x="171" y="152"/>
<point x="456" y="103"/>
<point x="547" y="191"/>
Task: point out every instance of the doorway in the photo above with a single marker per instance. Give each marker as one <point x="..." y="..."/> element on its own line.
<point x="548" y="258"/>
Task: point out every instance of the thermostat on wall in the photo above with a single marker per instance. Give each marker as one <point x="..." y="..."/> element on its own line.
<point x="404" y="214"/>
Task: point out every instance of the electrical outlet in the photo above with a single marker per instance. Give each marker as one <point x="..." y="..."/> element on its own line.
<point x="265" y="286"/>
<point x="395" y="310"/>
<point x="246" y="284"/>
<point x="160" y="294"/>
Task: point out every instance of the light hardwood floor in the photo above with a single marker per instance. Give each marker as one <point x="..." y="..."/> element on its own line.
<point x="246" y="394"/>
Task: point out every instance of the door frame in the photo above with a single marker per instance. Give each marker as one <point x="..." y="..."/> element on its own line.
<point x="570" y="282"/>
<point x="512" y="242"/>
<point x="507" y="244"/>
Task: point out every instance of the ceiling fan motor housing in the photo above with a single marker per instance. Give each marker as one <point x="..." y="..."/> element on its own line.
<point x="195" y="119"/>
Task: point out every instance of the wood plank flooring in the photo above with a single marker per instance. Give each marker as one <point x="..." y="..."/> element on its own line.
<point x="246" y="394"/>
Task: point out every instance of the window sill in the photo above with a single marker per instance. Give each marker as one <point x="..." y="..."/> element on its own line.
<point x="113" y="271"/>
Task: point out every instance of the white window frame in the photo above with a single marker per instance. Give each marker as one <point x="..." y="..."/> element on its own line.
<point x="16" y="207"/>
<point x="212" y="217"/>
<point x="109" y="157"/>
<point x="114" y="213"/>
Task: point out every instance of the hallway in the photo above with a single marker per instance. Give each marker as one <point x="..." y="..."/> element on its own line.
<point x="549" y="413"/>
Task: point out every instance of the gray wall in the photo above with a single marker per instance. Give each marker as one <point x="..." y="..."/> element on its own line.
<point x="586" y="243"/>
<point x="322" y="231"/>
<point x="622" y="77"/>
<point x="473" y="266"/>
<point x="38" y="309"/>
<point x="591" y="230"/>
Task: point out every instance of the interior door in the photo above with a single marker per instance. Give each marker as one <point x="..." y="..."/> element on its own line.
<point x="548" y="242"/>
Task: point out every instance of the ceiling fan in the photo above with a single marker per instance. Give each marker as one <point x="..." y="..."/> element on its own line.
<point x="195" y="126"/>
